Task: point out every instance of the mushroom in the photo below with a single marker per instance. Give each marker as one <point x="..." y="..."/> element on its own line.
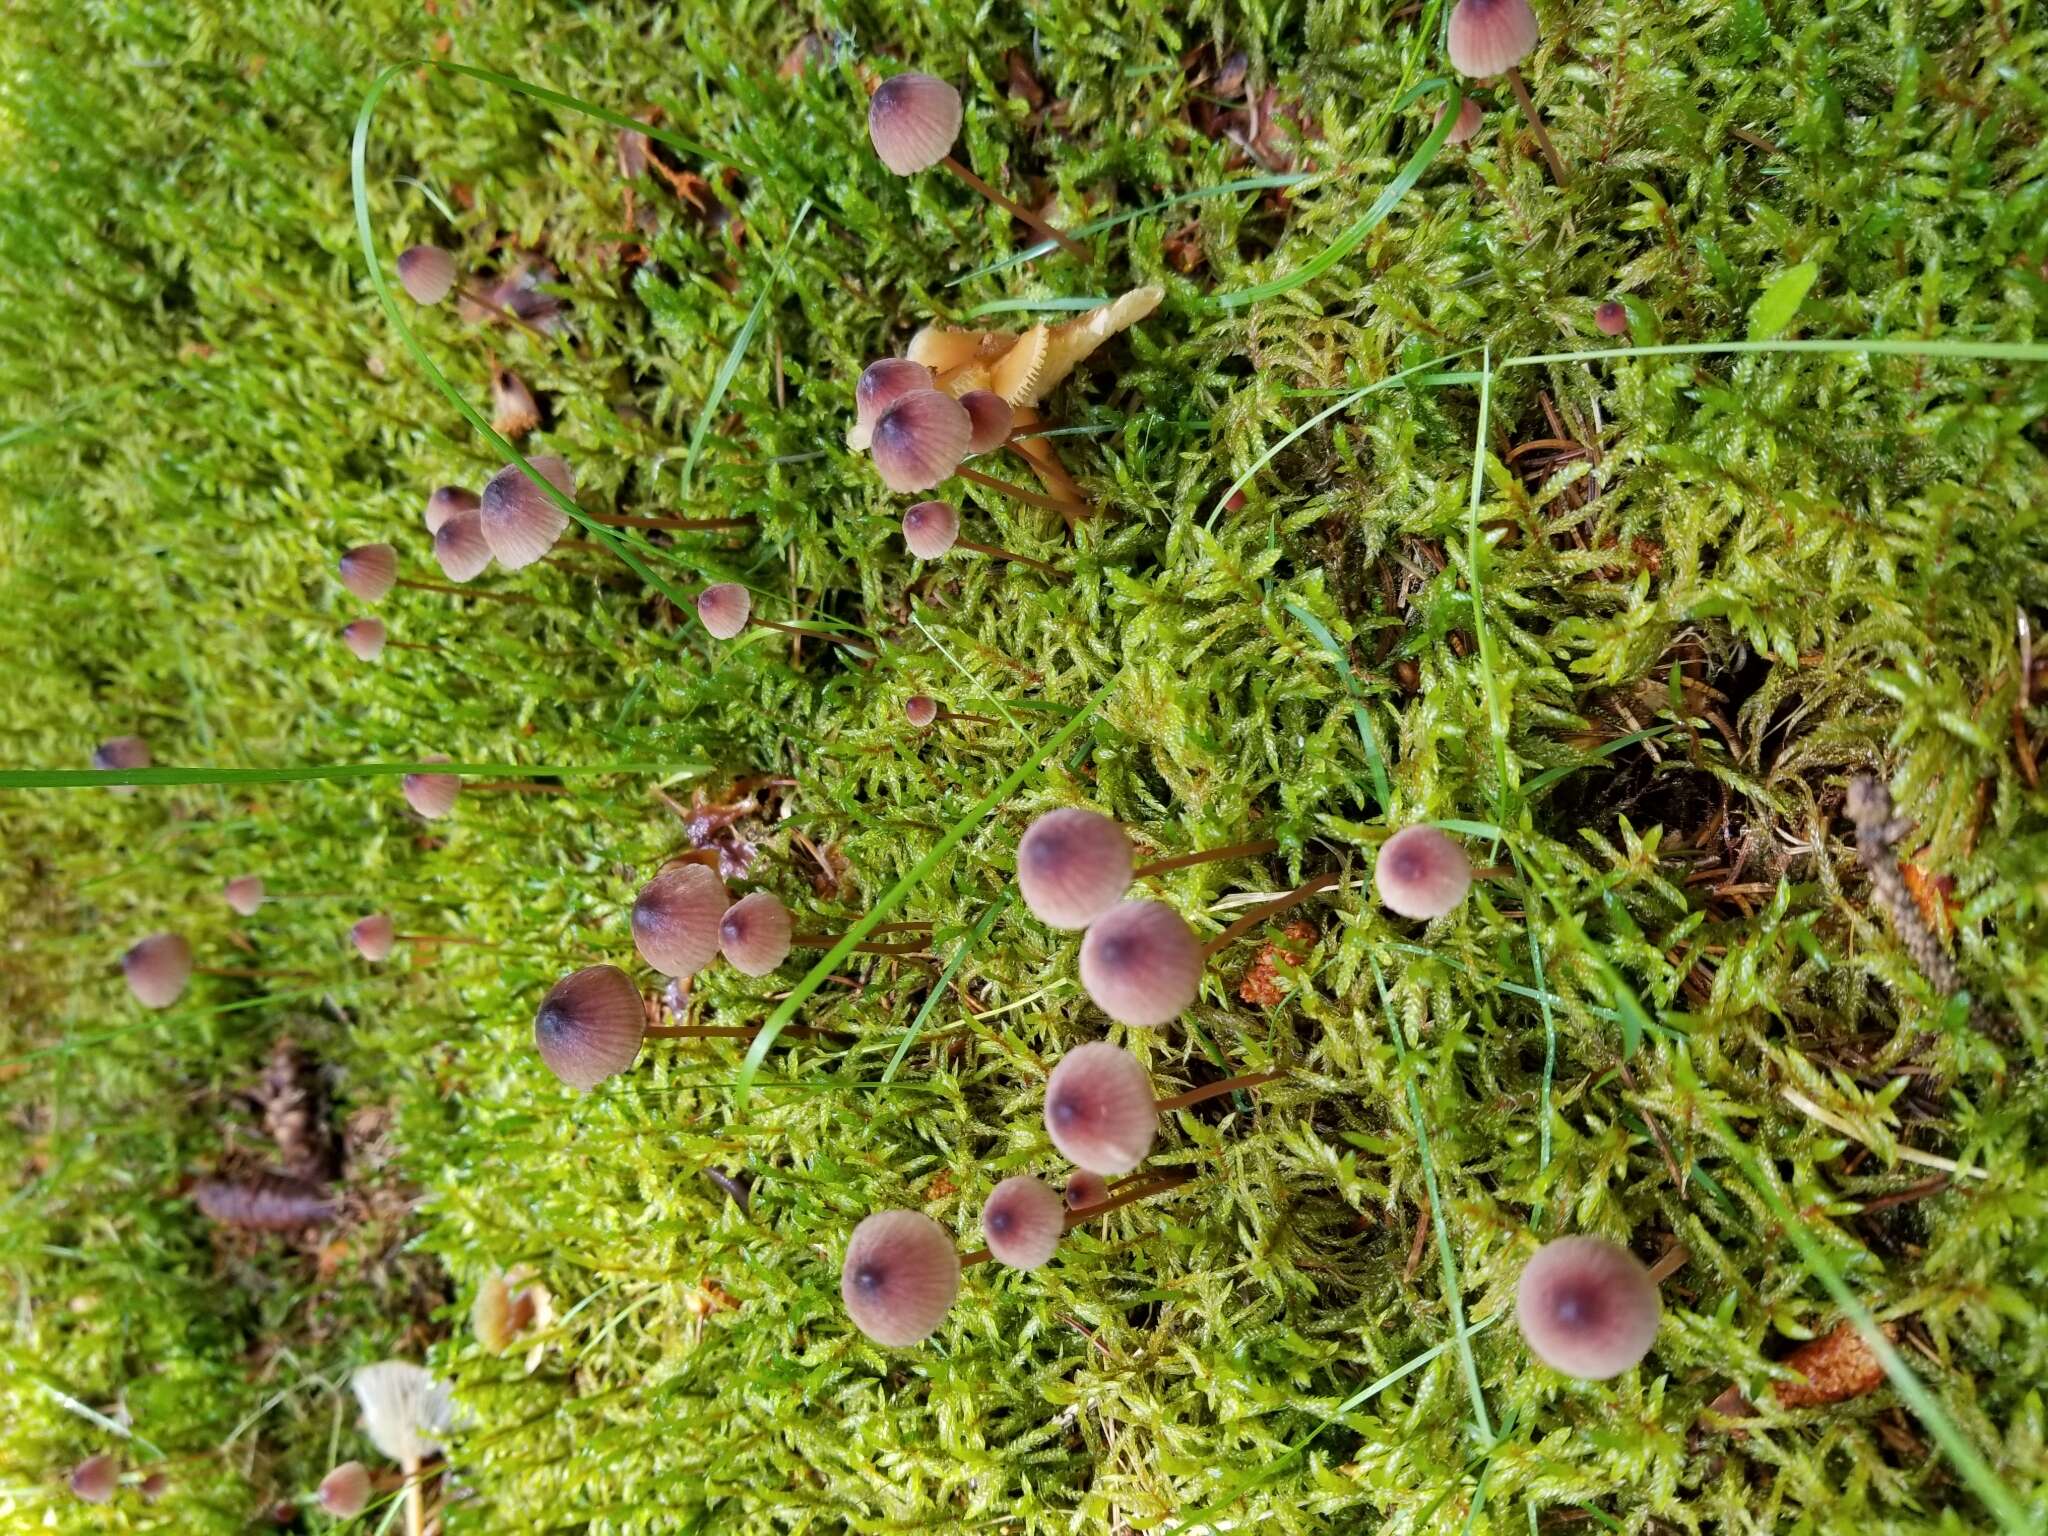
<point x="506" y="1307"/>
<point x="405" y="1412"/>
<point x="590" y="1025"/>
<point x="923" y="712"/>
<point x="1470" y="118"/>
<point x="755" y="933"/>
<point x="1421" y="873"/>
<point x="345" y="1492"/>
<point x="1587" y="1307"/>
<point x="513" y="409"/>
<point x="520" y="521"/>
<point x="157" y="969"/>
<point x="676" y="919"/>
<point x="431" y="795"/>
<point x="1099" y="1109"/>
<point x="1085" y="1189"/>
<point x="369" y="571"/>
<point x="245" y="894"/>
<point x="445" y="502"/>
<point x="989" y="418"/>
<point x="1023" y="1220"/>
<point x="931" y="528"/>
<point x="460" y="547"/>
<point x="920" y="439"/>
<point x="1492" y="37"/>
<point x="881" y="385"/>
<point x="427" y="273"/>
<point x="899" y="1277"/>
<point x="1073" y="865"/>
<point x="725" y="609"/>
<point x="913" y="122"/>
<point x="365" y="637"/>
<point x="1141" y="963"/>
<point x="373" y="937"/>
<point x="1611" y="318"/>
<point x="94" y="1479"/>
<point x="121" y="754"/>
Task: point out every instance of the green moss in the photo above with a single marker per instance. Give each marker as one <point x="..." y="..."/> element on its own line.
<point x="1783" y="568"/>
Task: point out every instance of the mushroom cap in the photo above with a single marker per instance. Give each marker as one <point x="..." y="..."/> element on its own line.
<point x="921" y="710"/>
<point x="1490" y="37"/>
<point x="426" y="272"/>
<point x="755" y="933"/>
<point x="1023" y="1221"/>
<point x="460" y="546"/>
<point x="676" y="919"/>
<point x="882" y="383"/>
<point x="988" y="419"/>
<point x="1073" y="866"/>
<point x="520" y="522"/>
<point x="1141" y="963"/>
<point x="374" y="936"/>
<point x="121" y="752"/>
<point x="1587" y="1307"/>
<point x="1085" y="1189"/>
<point x="405" y="1410"/>
<point x="514" y="411"/>
<point x="899" y="1277"/>
<point x="913" y="121"/>
<point x="920" y="440"/>
<point x="445" y="502"/>
<point x="590" y="1025"/>
<point x="930" y="528"/>
<point x="244" y="894"/>
<point x="1611" y="318"/>
<point x="1421" y="873"/>
<point x="157" y="969"/>
<point x="345" y="1492"/>
<point x="365" y="637"/>
<point x="431" y="795"/>
<point x="369" y="570"/>
<point x="723" y="608"/>
<point x="1470" y="119"/>
<point x="94" y="1479"/>
<point x="1099" y="1108"/>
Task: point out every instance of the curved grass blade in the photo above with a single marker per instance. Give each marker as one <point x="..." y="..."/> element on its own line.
<point x="1028" y="306"/>
<point x="577" y="104"/>
<point x="1987" y="351"/>
<point x="972" y="941"/>
<point x="976" y="813"/>
<point x="92" y="778"/>
<point x="1374" y="761"/>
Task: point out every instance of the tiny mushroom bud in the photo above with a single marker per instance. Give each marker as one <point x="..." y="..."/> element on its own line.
<point x="590" y="1026"/>
<point x="1099" y="1109"/>
<point x="1587" y="1307"/>
<point x="920" y="440"/>
<point x="365" y="637"/>
<point x="369" y="570"/>
<point x="1141" y="963"/>
<point x="921" y="710"/>
<point x="460" y="546"/>
<point x="345" y="1492"/>
<point x="1469" y="120"/>
<point x="446" y="501"/>
<point x="1085" y="1189"/>
<point x="431" y="795"/>
<point x="676" y="919"/>
<point x="930" y="529"/>
<point x="157" y="969"/>
<point x="426" y="272"/>
<point x="94" y="1479"/>
<point x="988" y="419"/>
<point x="374" y="937"/>
<point x="1490" y="37"/>
<point x="1611" y="318"/>
<point x="723" y="608"/>
<point x="513" y="410"/>
<point x="1073" y="866"/>
<point x="1421" y="873"/>
<point x="882" y="384"/>
<point x="900" y="1276"/>
<point x="245" y="894"/>
<point x="156" y="1485"/>
<point x="520" y="522"/>
<point x="913" y="121"/>
<point x="119" y="754"/>
<point x="755" y="934"/>
<point x="1022" y="1221"/>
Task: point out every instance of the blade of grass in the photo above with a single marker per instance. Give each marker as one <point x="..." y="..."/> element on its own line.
<point x="553" y="98"/>
<point x="970" y="942"/>
<point x="1375" y="762"/>
<point x="1026" y="306"/>
<point x="91" y="778"/>
<point x="1987" y="351"/>
<point x="919" y="872"/>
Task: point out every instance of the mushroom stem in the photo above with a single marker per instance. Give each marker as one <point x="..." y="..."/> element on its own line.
<point x="1000" y="554"/>
<point x="1045" y="231"/>
<point x="415" y="1499"/>
<point x="808" y="634"/>
<point x="1216" y="1091"/>
<point x="674" y="524"/>
<point x="1137" y="1187"/>
<point x="500" y="311"/>
<point x="1208" y="856"/>
<point x="1067" y="509"/>
<point x="1672" y="1262"/>
<point x="245" y="973"/>
<point x="1044" y="458"/>
<point x="947" y="714"/>
<point x="1557" y="171"/>
<point x="440" y="938"/>
<point x="410" y="645"/>
<point x="1264" y="910"/>
<point x="435" y="586"/>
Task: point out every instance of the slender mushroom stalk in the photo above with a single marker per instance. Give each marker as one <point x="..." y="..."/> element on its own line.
<point x="923" y="712"/>
<point x="913" y="122"/>
<point x="1492" y="37"/>
<point x="932" y="528"/>
<point x="726" y="610"/>
<point x="1259" y="914"/>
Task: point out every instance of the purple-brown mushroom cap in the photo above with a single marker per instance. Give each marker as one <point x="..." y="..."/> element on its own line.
<point x="988" y="419"/>
<point x="345" y="1492"/>
<point x="1073" y="866"/>
<point x="590" y="1026"/>
<point x="921" y="710"/>
<point x="445" y="502"/>
<point x="94" y="1479"/>
<point x="899" y="1277"/>
<point x="884" y="382"/>
<point x="1421" y="873"/>
<point x="245" y="894"/>
<point x="676" y="919"/>
<point x="157" y="969"/>
<point x="460" y="547"/>
<point x="369" y="571"/>
<point x="426" y="272"/>
<point x="364" y="637"/>
<point x="1022" y="1222"/>
<point x="1490" y="37"/>
<point x="431" y="795"/>
<point x="374" y="937"/>
<point x="913" y="121"/>
<point x="1469" y="120"/>
<point x="1141" y="963"/>
<point x="723" y="608"/>
<point x="1086" y="1189"/>
<point x="1611" y="318"/>
<point x="930" y="529"/>
<point x="1100" y="1110"/>
<point x="1587" y="1307"/>
<point x="755" y="933"/>
<point x="520" y="521"/>
<point x="119" y="754"/>
<point x="920" y="440"/>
